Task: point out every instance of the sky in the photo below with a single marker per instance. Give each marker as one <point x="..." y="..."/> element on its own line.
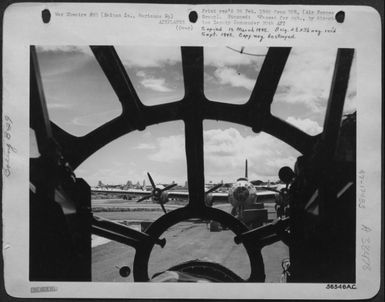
<point x="80" y="99"/>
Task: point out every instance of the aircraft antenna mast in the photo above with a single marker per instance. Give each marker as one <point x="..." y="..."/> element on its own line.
<point x="243" y="52"/>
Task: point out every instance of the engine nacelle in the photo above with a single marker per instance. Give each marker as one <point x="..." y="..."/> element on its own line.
<point x="162" y="199"/>
<point x="209" y="200"/>
<point x="242" y="193"/>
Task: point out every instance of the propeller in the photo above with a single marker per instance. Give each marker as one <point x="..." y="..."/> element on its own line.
<point x="144" y="198"/>
<point x="208" y="198"/>
<point x="156" y="192"/>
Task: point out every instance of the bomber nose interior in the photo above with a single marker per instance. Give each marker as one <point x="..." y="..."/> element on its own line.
<point x="321" y="246"/>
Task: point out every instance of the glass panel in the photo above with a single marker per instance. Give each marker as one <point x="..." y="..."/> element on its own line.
<point x="155" y="72"/>
<point x="304" y="87"/>
<point x="78" y="94"/>
<point x="117" y="173"/>
<point x="273" y="255"/>
<point x="230" y="150"/>
<point x="33" y="147"/>
<point x="350" y="105"/>
<point x="228" y="145"/>
<point x="189" y="240"/>
<point x="108" y="257"/>
<point x="185" y="241"/>
<point x="230" y="73"/>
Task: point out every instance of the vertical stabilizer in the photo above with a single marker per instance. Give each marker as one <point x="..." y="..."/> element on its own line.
<point x="246" y="169"/>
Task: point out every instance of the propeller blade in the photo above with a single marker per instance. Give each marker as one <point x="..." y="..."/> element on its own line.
<point x="163" y="208"/>
<point x="168" y="187"/>
<point x="144" y="198"/>
<point x="214" y="188"/>
<point x="151" y="180"/>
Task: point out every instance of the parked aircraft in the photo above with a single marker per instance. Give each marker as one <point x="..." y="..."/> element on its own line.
<point x="246" y="199"/>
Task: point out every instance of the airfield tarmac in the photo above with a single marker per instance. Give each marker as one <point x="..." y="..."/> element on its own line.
<point x="185" y="241"/>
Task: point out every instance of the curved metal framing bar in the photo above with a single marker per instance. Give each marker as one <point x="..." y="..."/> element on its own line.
<point x="156" y="229"/>
<point x="192" y="108"/>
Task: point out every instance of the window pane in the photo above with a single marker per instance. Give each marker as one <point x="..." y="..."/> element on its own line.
<point x="155" y="72"/>
<point x="33" y="147"/>
<point x="122" y="165"/>
<point x="228" y="145"/>
<point x="230" y="73"/>
<point x="350" y="105"/>
<point x="302" y="94"/>
<point x="188" y="241"/>
<point x="78" y="94"/>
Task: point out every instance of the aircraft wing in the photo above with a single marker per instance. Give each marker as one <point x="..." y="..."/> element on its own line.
<point x="220" y="197"/>
<point x="178" y="194"/>
<point x="120" y="191"/>
<point x="265" y="196"/>
<point x="262" y="196"/>
<point x="216" y="197"/>
<point x="172" y="194"/>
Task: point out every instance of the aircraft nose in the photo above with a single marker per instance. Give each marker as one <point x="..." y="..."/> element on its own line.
<point x="241" y="194"/>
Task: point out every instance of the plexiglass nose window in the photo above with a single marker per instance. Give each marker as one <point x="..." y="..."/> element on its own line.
<point x="78" y="94"/>
<point x="155" y="72"/>
<point x="230" y="72"/>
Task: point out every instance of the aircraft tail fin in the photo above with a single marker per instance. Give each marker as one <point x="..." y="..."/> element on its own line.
<point x="246" y="169"/>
